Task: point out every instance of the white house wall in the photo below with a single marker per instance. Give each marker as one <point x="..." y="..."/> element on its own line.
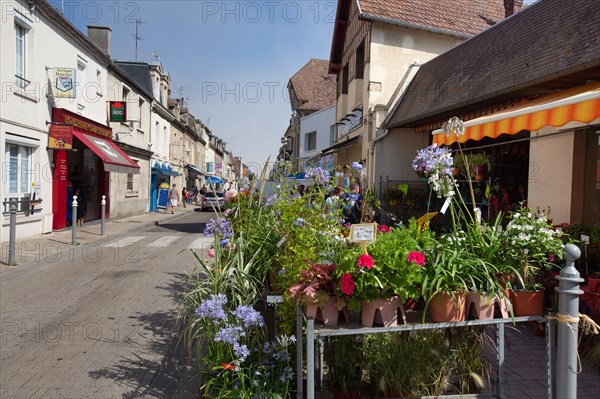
<point x="319" y="122"/>
<point x="23" y="116"/>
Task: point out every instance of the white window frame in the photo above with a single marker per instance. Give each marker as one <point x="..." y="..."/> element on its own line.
<point x="132" y="182"/>
<point x="23" y="178"/>
<point x="157" y="137"/>
<point x="21" y="71"/>
<point x="80" y="83"/>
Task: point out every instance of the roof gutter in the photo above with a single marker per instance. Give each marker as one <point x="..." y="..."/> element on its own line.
<point x="391" y="21"/>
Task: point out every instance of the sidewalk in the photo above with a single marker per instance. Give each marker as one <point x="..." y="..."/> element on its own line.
<point x="53" y="246"/>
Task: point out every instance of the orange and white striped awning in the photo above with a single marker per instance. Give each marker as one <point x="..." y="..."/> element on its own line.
<point x="581" y="104"/>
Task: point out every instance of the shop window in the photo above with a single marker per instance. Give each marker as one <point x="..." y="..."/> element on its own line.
<point x="19" y="174"/>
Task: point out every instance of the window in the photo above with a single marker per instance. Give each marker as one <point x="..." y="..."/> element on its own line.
<point x="157" y="137"/>
<point x="165" y="141"/>
<point x="345" y="79"/>
<point x="131" y="182"/>
<point x="360" y="61"/>
<point x="20" y="56"/>
<point x="80" y="83"/>
<point x="310" y="141"/>
<point x="18" y="184"/>
<point x="140" y="113"/>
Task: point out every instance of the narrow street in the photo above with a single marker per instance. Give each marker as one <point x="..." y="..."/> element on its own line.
<point x="101" y="322"/>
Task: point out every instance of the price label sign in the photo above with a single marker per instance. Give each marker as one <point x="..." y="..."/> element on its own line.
<point x="365" y="232"/>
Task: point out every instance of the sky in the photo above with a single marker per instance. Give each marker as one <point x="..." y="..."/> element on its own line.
<point x="230" y="60"/>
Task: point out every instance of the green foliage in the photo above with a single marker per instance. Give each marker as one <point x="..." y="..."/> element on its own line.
<point x="392" y="273"/>
<point x="343" y="357"/>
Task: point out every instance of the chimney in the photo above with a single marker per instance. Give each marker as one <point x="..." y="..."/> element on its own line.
<point x="100" y="36"/>
<point x="511" y="7"/>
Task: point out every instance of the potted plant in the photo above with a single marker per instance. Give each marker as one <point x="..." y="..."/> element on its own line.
<point x="316" y="288"/>
<point x="479" y="164"/>
<point x="380" y="280"/>
<point x="531" y="245"/>
<point x="343" y="356"/>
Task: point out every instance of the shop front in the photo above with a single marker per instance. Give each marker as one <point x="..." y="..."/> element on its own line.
<point x="84" y="168"/>
<point x="162" y="172"/>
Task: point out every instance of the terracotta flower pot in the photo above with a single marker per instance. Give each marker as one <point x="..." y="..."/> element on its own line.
<point x="445" y="308"/>
<point x="527" y="303"/>
<point x="382" y="311"/>
<point x="482" y="307"/>
<point x="329" y="314"/>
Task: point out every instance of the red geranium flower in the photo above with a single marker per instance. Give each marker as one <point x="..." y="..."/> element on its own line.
<point x="416" y="257"/>
<point x="365" y="261"/>
<point x="347" y="284"/>
<point x="384" y="229"/>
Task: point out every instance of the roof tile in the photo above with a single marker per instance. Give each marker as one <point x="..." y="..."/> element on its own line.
<point x="314" y="87"/>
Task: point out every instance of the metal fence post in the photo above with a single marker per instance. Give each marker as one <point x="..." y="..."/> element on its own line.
<point x="568" y="309"/>
<point x="12" y="234"/>
<point x="74" y="221"/>
<point x="102" y="216"/>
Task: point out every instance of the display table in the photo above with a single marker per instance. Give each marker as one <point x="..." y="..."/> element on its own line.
<point x="314" y="359"/>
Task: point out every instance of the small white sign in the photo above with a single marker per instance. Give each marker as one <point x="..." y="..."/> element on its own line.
<point x="445" y="206"/>
<point x="585" y="239"/>
<point x="365" y="232"/>
<point x="274" y="299"/>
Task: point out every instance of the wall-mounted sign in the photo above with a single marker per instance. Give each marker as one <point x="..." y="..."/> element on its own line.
<point x="118" y="111"/>
<point x="60" y="137"/>
<point x="64" y="82"/>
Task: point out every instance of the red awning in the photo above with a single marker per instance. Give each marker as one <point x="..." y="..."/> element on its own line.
<point x="581" y="104"/>
<point x="115" y="160"/>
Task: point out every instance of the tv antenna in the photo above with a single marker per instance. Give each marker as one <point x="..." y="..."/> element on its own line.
<point x="137" y="37"/>
<point x="155" y="56"/>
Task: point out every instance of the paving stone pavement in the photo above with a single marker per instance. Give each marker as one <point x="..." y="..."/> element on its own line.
<point x="99" y="321"/>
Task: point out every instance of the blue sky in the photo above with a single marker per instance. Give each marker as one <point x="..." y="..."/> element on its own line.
<point x="232" y="59"/>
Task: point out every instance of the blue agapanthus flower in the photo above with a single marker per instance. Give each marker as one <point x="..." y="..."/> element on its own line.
<point x="249" y="316"/>
<point x="241" y="351"/>
<point x="213" y="308"/>
<point x="318" y="174"/>
<point x="299" y="222"/>
<point x="221" y="228"/>
<point x="356" y="165"/>
<point x="229" y="334"/>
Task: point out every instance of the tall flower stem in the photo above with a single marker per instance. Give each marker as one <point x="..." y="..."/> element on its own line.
<point x="472" y="192"/>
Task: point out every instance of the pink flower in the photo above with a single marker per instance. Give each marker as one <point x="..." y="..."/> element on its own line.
<point x="347" y="284"/>
<point x="211" y="253"/>
<point x="551" y="258"/>
<point x="365" y="261"/>
<point x="384" y="229"/>
<point x="231" y="246"/>
<point x="416" y="257"/>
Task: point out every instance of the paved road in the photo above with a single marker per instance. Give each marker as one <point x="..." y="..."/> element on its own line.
<point x="99" y="322"/>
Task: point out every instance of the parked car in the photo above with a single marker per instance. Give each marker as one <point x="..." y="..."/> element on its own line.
<point x="213" y="200"/>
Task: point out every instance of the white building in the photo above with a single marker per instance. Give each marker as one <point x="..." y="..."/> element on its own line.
<point x="316" y="134"/>
<point x="50" y="72"/>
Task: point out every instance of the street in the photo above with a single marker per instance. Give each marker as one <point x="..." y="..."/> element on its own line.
<point x="101" y="321"/>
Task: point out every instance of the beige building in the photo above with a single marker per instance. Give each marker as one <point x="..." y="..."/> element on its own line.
<point x="376" y="50"/>
<point x="531" y="105"/>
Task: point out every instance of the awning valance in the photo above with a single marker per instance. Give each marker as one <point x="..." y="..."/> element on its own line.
<point x="581" y="104"/>
<point x="340" y="145"/>
<point x="213" y="180"/>
<point x="194" y="170"/>
<point x="114" y="159"/>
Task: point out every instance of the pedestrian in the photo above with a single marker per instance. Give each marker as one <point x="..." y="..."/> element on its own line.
<point x="353" y="207"/>
<point x="332" y="203"/>
<point x="184" y="197"/>
<point x="204" y="189"/>
<point x="173" y="198"/>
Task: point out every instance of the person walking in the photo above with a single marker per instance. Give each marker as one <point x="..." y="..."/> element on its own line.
<point x="173" y="198"/>
<point x="184" y="197"/>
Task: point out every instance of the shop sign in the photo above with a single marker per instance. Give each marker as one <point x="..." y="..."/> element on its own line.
<point x="64" y="85"/>
<point x="60" y="137"/>
<point x="118" y="111"/>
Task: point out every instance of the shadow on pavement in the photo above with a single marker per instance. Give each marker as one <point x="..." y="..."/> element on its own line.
<point x="160" y="367"/>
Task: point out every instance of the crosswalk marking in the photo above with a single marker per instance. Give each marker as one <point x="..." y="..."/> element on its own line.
<point x="123" y="242"/>
<point x="201" y="243"/>
<point x="163" y="242"/>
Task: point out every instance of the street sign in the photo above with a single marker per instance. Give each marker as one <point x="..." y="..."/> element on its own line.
<point x="118" y="111"/>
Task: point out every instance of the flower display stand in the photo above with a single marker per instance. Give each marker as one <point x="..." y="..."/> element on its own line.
<point x="382" y="311"/>
<point x="481" y="307"/>
<point x="328" y="314"/>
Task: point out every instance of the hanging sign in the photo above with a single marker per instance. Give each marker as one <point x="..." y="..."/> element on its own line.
<point x="118" y="111"/>
<point x="64" y="82"/>
<point x="60" y="137"/>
